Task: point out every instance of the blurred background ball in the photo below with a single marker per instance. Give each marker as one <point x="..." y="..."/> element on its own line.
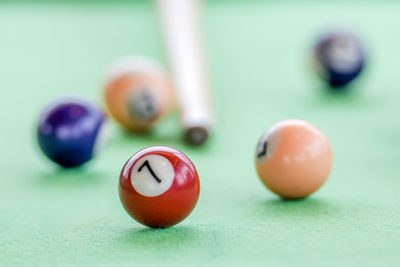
<point x="70" y="132"/>
<point x="138" y="92"/>
<point x="339" y="58"/>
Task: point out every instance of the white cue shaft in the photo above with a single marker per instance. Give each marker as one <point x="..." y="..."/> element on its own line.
<point x="180" y="22"/>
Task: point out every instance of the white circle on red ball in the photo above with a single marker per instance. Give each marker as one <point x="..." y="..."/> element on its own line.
<point x="152" y="175"/>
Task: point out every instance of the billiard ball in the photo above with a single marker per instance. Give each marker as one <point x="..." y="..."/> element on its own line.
<point x="138" y="92"/>
<point x="293" y="158"/>
<point x="159" y="186"/>
<point x="70" y="132"/>
<point x="339" y="58"/>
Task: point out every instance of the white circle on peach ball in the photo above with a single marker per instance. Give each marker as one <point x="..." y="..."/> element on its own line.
<point x="152" y="175"/>
<point x="144" y="104"/>
<point x="268" y="143"/>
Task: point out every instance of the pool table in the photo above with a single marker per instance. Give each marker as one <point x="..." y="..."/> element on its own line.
<point x="259" y="62"/>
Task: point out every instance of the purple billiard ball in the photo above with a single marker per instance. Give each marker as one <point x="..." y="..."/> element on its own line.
<point x="70" y="132"/>
<point x="339" y="58"/>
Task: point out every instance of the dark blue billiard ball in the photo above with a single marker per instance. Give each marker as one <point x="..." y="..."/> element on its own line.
<point x="339" y="58"/>
<point x="70" y="132"/>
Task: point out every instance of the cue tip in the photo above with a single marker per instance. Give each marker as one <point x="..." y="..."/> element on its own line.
<point x="196" y="135"/>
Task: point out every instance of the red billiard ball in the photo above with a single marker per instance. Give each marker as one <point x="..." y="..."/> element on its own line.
<point x="159" y="186"/>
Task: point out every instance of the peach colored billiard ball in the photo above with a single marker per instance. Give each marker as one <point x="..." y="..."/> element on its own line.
<point x="138" y="92"/>
<point x="293" y="158"/>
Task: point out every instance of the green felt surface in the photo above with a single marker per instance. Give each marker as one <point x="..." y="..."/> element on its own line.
<point x="260" y="68"/>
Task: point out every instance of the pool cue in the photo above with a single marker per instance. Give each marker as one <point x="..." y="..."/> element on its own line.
<point x="180" y="23"/>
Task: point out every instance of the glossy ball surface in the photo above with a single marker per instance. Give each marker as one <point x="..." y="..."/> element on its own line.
<point x="138" y="93"/>
<point x="70" y="132"/>
<point x="293" y="159"/>
<point x="339" y="58"/>
<point x="159" y="186"/>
